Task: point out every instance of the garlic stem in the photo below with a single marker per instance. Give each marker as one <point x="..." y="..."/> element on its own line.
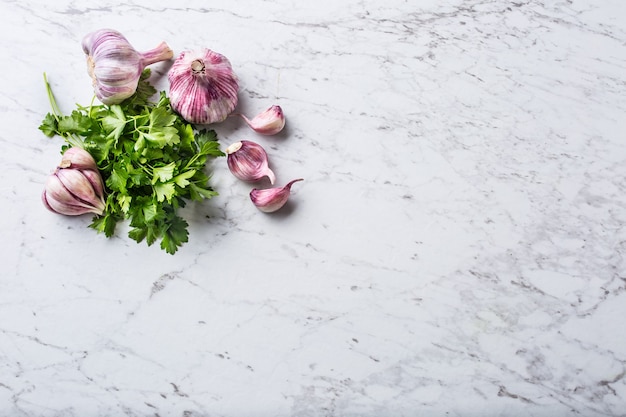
<point x="161" y="53"/>
<point x="197" y="66"/>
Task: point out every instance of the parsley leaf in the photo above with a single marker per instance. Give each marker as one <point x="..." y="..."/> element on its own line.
<point x="76" y="123"/>
<point x="115" y="122"/>
<point x="49" y="125"/>
<point x="164" y="191"/>
<point x="163" y="173"/>
<point x="175" y="234"/>
<point x="182" y="180"/>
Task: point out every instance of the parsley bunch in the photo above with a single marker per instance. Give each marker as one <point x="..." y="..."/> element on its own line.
<point x="151" y="160"/>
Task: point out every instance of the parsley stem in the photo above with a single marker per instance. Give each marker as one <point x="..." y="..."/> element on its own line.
<point x="56" y="112"/>
<point x="53" y="103"/>
<point x="191" y="161"/>
<point x="91" y="106"/>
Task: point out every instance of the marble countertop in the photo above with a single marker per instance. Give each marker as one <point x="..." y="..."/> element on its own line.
<point x="457" y="246"/>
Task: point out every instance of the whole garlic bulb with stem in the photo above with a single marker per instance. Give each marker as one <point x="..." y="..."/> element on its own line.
<point x="75" y="187"/>
<point x="203" y="86"/>
<point x="115" y="66"/>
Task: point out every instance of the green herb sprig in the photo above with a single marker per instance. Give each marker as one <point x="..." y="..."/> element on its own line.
<point x="151" y="160"/>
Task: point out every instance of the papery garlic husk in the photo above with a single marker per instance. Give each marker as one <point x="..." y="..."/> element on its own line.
<point x="115" y="66"/>
<point x="248" y="161"/>
<point x="269" y="122"/>
<point x="203" y="86"/>
<point x="74" y="188"/>
<point x="271" y="199"/>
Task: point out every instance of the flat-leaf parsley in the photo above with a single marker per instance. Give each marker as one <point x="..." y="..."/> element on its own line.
<point x="151" y="159"/>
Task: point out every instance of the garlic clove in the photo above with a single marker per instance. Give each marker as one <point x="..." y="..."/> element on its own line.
<point x="57" y="197"/>
<point x="115" y="66"/>
<point x="65" y="208"/>
<point x="269" y="122"/>
<point x="271" y="199"/>
<point x="78" y="158"/>
<point x="80" y="187"/>
<point x="248" y="161"/>
<point x="203" y="86"/>
<point x="96" y="182"/>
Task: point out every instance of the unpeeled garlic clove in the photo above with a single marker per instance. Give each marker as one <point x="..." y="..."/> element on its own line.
<point x="73" y="191"/>
<point x="78" y="158"/>
<point x="203" y="86"/>
<point x="248" y="161"/>
<point x="115" y="66"/>
<point x="271" y="199"/>
<point x="95" y="179"/>
<point x="269" y="122"/>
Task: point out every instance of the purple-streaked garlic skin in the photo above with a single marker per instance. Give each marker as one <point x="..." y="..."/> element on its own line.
<point x="203" y="86"/>
<point x="268" y="122"/>
<point x="248" y="161"/>
<point x="115" y="66"/>
<point x="74" y="188"/>
<point x="271" y="199"/>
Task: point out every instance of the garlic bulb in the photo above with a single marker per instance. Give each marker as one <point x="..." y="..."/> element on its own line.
<point x="248" y="161"/>
<point x="269" y="122"/>
<point x="75" y="187"/>
<point x="271" y="199"/>
<point x="115" y="66"/>
<point x="203" y="87"/>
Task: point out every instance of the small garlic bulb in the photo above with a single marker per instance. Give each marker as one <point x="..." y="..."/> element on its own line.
<point x="248" y="161"/>
<point x="115" y="66"/>
<point x="269" y="122"/>
<point x="271" y="199"/>
<point x="75" y="187"/>
<point x="203" y="87"/>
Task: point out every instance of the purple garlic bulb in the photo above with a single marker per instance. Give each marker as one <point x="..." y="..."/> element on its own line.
<point x="75" y="187"/>
<point x="203" y="87"/>
<point x="115" y="66"/>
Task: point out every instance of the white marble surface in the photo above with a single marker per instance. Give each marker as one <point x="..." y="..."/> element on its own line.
<point x="457" y="247"/>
